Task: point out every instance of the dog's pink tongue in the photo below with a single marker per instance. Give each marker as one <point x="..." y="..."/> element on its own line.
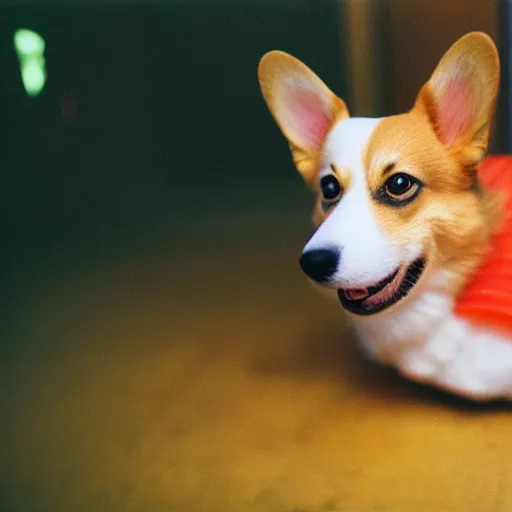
<point x="356" y="293"/>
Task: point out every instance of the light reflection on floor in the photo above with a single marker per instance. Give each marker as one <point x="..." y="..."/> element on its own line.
<point x="207" y="375"/>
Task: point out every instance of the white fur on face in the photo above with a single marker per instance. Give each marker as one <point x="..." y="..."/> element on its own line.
<point x="367" y="255"/>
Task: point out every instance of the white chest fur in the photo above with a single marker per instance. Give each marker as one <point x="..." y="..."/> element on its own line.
<point x="427" y="342"/>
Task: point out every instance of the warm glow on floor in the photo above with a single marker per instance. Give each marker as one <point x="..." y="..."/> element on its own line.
<point x="179" y="383"/>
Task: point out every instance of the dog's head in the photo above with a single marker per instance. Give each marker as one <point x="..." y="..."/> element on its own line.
<point x="395" y="196"/>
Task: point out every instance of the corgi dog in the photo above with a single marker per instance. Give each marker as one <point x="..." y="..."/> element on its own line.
<point x="413" y="222"/>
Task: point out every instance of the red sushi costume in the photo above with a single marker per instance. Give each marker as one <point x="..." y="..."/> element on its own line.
<point x="487" y="300"/>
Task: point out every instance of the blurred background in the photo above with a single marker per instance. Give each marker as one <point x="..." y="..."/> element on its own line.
<point x="160" y="349"/>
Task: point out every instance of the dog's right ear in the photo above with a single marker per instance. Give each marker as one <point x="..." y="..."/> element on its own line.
<point x="302" y="105"/>
<point x="459" y="98"/>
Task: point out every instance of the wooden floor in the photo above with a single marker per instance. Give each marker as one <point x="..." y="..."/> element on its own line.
<point x="204" y="374"/>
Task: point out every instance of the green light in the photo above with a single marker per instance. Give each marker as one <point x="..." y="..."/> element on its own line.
<point x="28" y="43"/>
<point x="30" y="48"/>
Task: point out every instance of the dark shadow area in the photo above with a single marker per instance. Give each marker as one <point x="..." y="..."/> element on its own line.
<point x="151" y="122"/>
<point x="144" y="106"/>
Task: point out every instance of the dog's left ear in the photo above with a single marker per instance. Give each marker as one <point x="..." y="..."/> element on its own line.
<point x="460" y="97"/>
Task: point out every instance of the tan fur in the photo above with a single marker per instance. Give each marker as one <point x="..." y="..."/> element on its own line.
<point x="452" y="217"/>
<point x="449" y="216"/>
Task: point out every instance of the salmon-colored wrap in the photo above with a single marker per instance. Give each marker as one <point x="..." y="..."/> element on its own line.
<point x="487" y="300"/>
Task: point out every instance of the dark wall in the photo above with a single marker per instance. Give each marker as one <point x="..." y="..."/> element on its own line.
<point x="145" y="105"/>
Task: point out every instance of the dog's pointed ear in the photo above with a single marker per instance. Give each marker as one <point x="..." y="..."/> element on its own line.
<point x="460" y="97"/>
<point x="302" y="105"/>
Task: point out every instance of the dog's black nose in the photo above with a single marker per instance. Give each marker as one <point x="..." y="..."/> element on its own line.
<point x="320" y="264"/>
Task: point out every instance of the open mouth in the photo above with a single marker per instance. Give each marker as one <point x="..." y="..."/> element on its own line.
<point x="367" y="301"/>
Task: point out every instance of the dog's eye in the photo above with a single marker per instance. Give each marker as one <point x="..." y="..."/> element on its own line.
<point x="330" y="186"/>
<point x="400" y="189"/>
<point x="398" y="185"/>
